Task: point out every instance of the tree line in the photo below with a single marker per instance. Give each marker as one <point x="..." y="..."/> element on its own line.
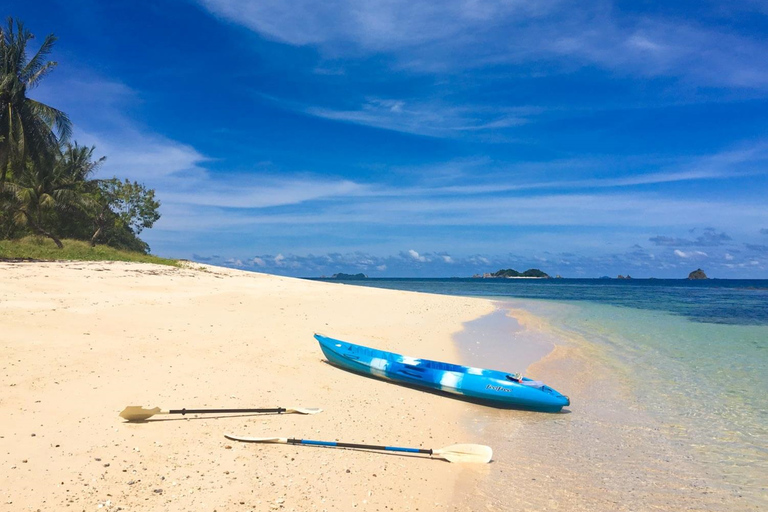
<point x="48" y="183"/>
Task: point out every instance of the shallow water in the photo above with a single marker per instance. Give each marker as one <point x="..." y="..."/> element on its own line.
<point x="706" y="384"/>
<point x="486" y="341"/>
<point x="669" y="389"/>
<point x="666" y="414"/>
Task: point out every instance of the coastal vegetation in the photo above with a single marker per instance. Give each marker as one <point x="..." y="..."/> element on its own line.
<point x="349" y="277"/>
<point x="48" y="183"/>
<point x="38" y="248"/>
<point x="697" y="274"/>
<point x="531" y="272"/>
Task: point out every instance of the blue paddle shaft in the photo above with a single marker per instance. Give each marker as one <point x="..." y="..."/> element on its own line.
<point x="361" y="446"/>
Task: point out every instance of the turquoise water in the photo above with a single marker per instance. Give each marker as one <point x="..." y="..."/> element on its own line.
<point x="693" y="353"/>
<point x="705" y="383"/>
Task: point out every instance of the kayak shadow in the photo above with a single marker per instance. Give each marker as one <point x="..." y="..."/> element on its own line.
<point x="445" y="394"/>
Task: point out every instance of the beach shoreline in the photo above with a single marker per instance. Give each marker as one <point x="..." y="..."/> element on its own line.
<point x="608" y="450"/>
<point x="81" y="340"/>
<point x="84" y="339"/>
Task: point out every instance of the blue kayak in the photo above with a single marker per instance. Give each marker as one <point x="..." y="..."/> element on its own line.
<point x="490" y="387"/>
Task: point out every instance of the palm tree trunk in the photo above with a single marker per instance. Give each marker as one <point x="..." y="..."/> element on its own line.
<point x="43" y="232"/>
<point x="95" y="236"/>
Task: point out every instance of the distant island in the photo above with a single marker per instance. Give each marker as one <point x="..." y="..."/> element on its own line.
<point x="509" y="273"/>
<point x="697" y="274"/>
<point x="349" y="277"/>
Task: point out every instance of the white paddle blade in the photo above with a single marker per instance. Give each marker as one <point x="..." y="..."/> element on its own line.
<point x="257" y="439"/>
<point x="465" y="453"/>
<point x="138" y="413"/>
<point x="304" y="410"/>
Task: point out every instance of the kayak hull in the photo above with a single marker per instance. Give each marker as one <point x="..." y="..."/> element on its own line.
<point x="488" y="387"/>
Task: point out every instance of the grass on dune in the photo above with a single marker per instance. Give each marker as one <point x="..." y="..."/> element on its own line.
<point x="37" y="248"/>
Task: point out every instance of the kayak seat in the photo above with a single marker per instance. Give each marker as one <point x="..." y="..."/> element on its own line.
<point x="411" y="370"/>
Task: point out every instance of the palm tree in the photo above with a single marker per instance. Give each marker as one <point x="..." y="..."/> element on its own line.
<point x="39" y="192"/>
<point x="77" y="162"/>
<point x="26" y="126"/>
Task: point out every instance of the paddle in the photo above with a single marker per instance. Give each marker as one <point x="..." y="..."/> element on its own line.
<point x="138" y="413"/>
<point x="454" y="453"/>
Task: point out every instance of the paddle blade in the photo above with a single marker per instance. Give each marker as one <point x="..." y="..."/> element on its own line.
<point x="138" y="413"/>
<point x="465" y="453"/>
<point x="303" y="410"/>
<point x="257" y="439"/>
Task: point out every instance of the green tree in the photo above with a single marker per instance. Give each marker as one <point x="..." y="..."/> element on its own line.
<point x="26" y="126"/>
<point x="124" y="210"/>
<point x="76" y="165"/>
<point x="40" y="192"/>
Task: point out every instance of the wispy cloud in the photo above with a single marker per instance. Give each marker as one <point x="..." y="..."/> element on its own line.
<point x="450" y="195"/>
<point x="259" y="191"/>
<point x="431" y="119"/>
<point x="710" y="238"/>
<point x="690" y="254"/>
<point x="144" y="156"/>
<point x="98" y="108"/>
<point x="618" y="210"/>
<point x="457" y="34"/>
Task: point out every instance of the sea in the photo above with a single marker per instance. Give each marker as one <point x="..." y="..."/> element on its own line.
<point x="668" y="381"/>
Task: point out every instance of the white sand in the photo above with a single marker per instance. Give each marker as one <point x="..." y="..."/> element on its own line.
<point x="82" y="340"/>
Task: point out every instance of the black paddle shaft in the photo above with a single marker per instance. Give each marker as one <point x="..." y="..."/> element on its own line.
<point x="222" y="411"/>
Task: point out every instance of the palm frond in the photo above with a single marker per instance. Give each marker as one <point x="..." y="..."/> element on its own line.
<point x="46" y="201"/>
<point x="36" y="63"/>
<point x="35" y="78"/>
<point x="19" y="42"/>
<point x="20" y="218"/>
<point x="29" y="129"/>
<point x="52" y="116"/>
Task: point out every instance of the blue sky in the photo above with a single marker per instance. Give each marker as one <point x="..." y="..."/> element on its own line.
<point x="410" y="138"/>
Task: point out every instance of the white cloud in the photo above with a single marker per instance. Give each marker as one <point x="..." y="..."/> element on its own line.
<point x="415" y="255"/>
<point x="97" y="108"/>
<point x="258" y="191"/>
<point x="690" y="254"/>
<point x="142" y="156"/>
<point x="426" y="118"/>
<point x="452" y="34"/>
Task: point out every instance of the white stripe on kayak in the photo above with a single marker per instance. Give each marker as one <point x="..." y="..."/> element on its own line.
<point x="450" y="381"/>
<point x="379" y="367"/>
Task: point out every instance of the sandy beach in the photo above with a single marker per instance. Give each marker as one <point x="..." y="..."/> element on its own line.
<point x="81" y="340"/>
